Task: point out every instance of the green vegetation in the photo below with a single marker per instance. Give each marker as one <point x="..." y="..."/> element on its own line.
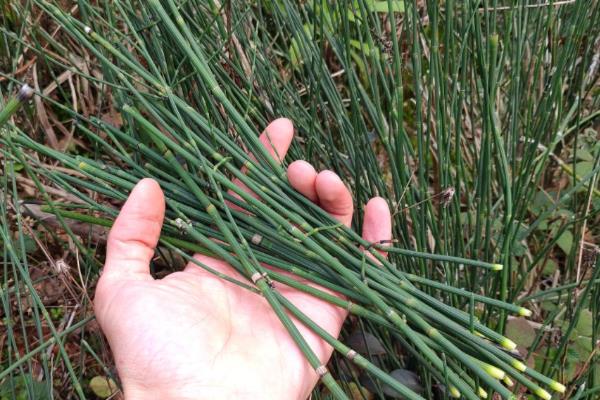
<point x="477" y="121"/>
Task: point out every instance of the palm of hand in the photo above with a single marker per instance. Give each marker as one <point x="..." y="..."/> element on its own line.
<point x="194" y="335"/>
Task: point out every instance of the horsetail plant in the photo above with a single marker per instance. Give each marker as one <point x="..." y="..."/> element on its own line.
<point x="189" y="122"/>
<point x="14" y="104"/>
<point x="409" y="301"/>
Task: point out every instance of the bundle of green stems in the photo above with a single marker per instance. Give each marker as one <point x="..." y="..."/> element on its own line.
<point x="279" y="227"/>
<point x="197" y="164"/>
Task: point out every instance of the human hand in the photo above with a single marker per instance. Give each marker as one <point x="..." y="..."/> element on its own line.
<point x="192" y="335"/>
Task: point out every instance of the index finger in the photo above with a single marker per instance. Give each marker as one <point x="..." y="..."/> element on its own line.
<point x="276" y="138"/>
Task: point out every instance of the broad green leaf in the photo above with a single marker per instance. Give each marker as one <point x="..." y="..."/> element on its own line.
<point x="295" y="52"/>
<point x="364" y="47"/>
<point x="571" y="370"/>
<point x="23" y="385"/>
<point x="584" y="155"/>
<point x="565" y="241"/>
<point x="541" y="201"/>
<point x="584" y="167"/>
<point x="573" y="354"/>
<point x="103" y="387"/>
<point x="522" y="231"/>
<point x="549" y="306"/>
<point x="519" y="249"/>
<point x="584" y="325"/>
<point x="30" y="244"/>
<point x="382" y="6"/>
<point x="550" y="267"/>
<point x="583" y="346"/>
<point x="520" y="331"/>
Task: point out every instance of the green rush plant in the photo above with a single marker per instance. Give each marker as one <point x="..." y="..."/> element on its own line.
<point x="450" y="111"/>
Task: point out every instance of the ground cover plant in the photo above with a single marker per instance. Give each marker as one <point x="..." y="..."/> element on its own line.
<point x="477" y="121"/>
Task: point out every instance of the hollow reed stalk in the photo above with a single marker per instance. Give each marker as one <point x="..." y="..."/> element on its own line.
<point x="180" y="108"/>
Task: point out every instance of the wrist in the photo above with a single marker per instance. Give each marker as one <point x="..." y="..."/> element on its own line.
<point x="175" y="392"/>
<point x="136" y="392"/>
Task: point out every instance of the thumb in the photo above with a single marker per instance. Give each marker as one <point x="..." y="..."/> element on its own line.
<point x="135" y="233"/>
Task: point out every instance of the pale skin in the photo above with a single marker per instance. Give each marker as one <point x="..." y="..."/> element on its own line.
<point x="192" y="335"/>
